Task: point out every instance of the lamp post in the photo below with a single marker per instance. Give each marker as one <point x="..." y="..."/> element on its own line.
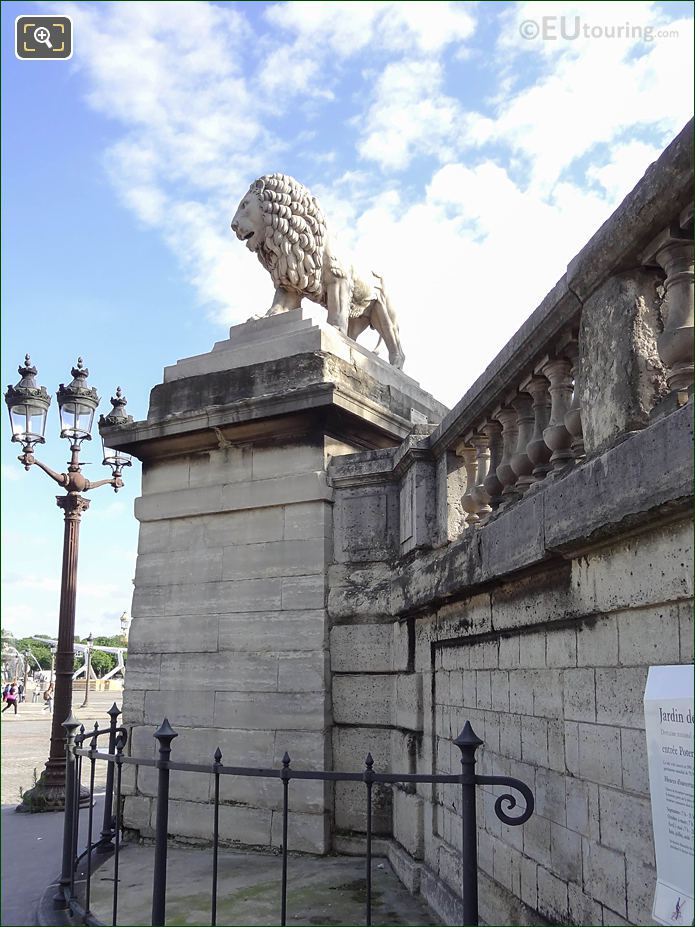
<point x="26" y="672"/>
<point x="53" y="662"/>
<point x="90" y="642"/>
<point x="125" y="625"/>
<point x="28" y="405"/>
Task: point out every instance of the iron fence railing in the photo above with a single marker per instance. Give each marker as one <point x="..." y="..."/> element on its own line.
<point x="82" y="745"/>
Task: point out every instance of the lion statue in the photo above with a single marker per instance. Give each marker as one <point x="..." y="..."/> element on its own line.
<point x="283" y="224"/>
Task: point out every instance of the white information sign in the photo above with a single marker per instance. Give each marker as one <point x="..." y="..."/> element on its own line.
<point x="668" y="716"/>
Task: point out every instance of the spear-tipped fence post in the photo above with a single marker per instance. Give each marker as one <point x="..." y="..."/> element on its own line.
<point x="70" y="726"/>
<point x="106" y="842"/>
<point x="468" y="742"/>
<point x="368" y="777"/>
<point x="285" y="776"/>
<point x="164" y="735"/>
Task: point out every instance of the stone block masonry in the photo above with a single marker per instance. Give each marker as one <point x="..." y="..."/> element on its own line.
<point x="552" y="567"/>
<point x="230" y="634"/>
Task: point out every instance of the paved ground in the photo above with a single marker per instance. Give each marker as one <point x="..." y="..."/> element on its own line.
<point x="328" y="890"/>
<point x="31" y="843"/>
<point x="26" y="739"/>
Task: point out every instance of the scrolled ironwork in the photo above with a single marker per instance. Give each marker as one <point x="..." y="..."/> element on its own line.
<point x="509" y="799"/>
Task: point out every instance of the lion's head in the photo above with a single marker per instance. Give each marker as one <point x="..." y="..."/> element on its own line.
<point x="283" y="224"/>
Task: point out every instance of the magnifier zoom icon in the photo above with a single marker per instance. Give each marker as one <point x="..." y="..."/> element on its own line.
<point x="43" y="36"/>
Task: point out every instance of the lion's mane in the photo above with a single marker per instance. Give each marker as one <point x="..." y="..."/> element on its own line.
<point x="295" y="233"/>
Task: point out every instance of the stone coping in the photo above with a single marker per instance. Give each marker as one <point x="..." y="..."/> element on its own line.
<point x="226" y="400"/>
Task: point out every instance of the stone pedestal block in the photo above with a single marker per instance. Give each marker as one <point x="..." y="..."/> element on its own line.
<point x="622" y="375"/>
<point x="230" y="635"/>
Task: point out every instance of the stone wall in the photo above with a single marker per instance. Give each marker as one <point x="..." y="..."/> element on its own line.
<point x="229" y="636"/>
<point x="520" y="566"/>
<point x="549" y="667"/>
<point x="230" y="633"/>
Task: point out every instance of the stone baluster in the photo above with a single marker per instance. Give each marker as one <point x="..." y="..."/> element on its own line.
<point x="481" y="443"/>
<point x="468" y="502"/>
<point x="506" y="416"/>
<point x="537" y="450"/>
<point x="491" y="484"/>
<point x="520" y="462"/>
<point x="573" y="418"/>
<point x="556" y="435"/>
<point x="675" y="343"/>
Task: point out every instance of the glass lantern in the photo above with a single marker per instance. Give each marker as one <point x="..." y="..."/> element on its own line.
<point x="78" y="403"/>
<point x="115" y="457"/>
<point x="27" y="405"/>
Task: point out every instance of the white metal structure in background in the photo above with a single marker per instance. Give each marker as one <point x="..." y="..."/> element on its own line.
<point x="13" y="660"/>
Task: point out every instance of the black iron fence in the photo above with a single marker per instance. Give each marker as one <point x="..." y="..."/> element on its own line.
<point x="82" y="745"/>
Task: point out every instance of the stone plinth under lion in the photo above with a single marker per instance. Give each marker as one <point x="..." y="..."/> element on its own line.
<point x="230" y="636"/>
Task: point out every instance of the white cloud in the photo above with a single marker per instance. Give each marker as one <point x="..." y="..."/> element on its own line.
<point x="345" y="28"/>
<point x="410" y="115"/>
<point x="592" y="89"/>
<point x="516" y="183"/>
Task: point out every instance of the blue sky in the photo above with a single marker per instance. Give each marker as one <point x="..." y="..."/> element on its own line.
<point x="465" y="162"/>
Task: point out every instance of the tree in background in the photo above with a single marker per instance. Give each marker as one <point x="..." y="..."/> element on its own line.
<point x="41" y="651"/>
<point x="101" y="662"/>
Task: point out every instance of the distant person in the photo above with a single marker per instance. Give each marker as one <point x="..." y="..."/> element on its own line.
<point x="36" y="694"/>
<point x="11" y="698"/>
<point x="20" y="691"/>
<point x="48" y="698"/>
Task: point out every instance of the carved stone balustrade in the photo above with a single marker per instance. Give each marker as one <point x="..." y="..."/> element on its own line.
<point x="469" y="504"/>
<point x="675" y="256"/>
<point x="521" y="462"/>
<point x="537" y="450"/>
<point x="606" y="353"/>
<point x="481" y="443"/>
<point x="573" y="417"/>
<point x="506" y="416"/>
<point x="491" y="484"/>
<point x="556" y="435"/>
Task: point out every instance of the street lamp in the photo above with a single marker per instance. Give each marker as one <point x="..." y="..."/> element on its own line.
<point x="28" y="405"/>
<point x="27" y="654"/>
<point x="53" y="661"/>
<point x="125" y="625"/>
<point x="90" y="641"/>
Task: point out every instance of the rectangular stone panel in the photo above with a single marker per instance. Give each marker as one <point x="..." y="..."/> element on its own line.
<point x="282" y="460"/>
<point x="308" y="520"/>
<point x="224" y="465"/>
<point x="362" y="648"/>
<point x="276" y="558"/>
<point x="209" y="500"/>
<point x="196" y="565"/>
<point x="363" y="699"/>
<point x="178" y="634"/>
<point x="302" y="592"/>
<point x="252" y="526"/>
<point x="271" y="711"/>
<point x="220" y="672"/>
<point x="261" y="595"/>
<point x="300" y="672"/>
<point x="278" y="631"/>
